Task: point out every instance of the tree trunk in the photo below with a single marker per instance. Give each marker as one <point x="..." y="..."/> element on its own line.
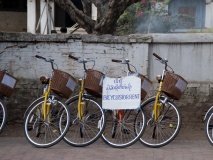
<point x="108" y="12"/>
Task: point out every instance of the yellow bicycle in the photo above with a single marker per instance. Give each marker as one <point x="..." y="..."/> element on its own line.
<point x="87" y="116"/>
<point x="163" y="116"/>
<point x="47" y="119"/>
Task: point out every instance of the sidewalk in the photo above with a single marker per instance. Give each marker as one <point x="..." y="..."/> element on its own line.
<point x="191" y="144"/>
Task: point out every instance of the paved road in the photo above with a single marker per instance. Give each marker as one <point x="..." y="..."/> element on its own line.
<point x="191" y="144"/>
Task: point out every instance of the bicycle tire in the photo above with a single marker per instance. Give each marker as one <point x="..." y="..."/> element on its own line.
<point x="3" y="115"/>
<point x="123" y="133"/>
<point x="86" y="131"/>
<point x="45" y="133"/>
<point x="161" y="133"/>
<point x="209" y="128"/>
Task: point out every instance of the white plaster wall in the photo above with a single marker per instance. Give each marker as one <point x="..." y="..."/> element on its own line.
<point x="191" y="56"/>
<point x="192" y="60"/>
<point x="20" y="59"/>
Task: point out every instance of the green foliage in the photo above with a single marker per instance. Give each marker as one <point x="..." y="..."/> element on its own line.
<point x="128" y="18"/>
<point x="145" y="17"/>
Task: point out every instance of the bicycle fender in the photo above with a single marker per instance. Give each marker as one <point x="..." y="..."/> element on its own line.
<point x="70" y="99"/>
<point x="143" y="103"/>
<point x="31" y="105"/>
<point x="208" y="112"/>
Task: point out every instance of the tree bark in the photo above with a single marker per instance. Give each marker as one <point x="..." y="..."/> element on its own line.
<point x="108" y="12"/>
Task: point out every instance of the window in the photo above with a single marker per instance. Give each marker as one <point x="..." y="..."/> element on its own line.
<point x="188" y="11"/>
<point x="13" y="5"/>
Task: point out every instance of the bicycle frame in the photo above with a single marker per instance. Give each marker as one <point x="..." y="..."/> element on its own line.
<point x="45" y="105"/>
<point x="81" y="102"/>
<point x="157" y="105"/>
<point x="120" y="114"/>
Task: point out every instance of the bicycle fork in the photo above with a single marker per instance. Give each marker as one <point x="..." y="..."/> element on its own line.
<point x="118" y="117"/>
<point x="81" y="102"/>
<point x="46" y="105"/>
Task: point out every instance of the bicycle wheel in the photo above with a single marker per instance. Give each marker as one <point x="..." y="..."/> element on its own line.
<point x="123" y="129"/>
<point x="161" y="132"/>
<point x="209" y="128"/>
<point x="42" y="132"/>
<point x="3" y="115"/>
<point x="85" y="131"/>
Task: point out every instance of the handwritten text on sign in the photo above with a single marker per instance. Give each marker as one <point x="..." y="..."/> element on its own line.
<point x="121" y="93"/>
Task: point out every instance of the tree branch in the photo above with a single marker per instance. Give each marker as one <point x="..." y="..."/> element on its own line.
<point x="87" y="7"/>
<point x="108" y="12"/>
<point x="76" y="15"/>
<point x="116" y="8"/>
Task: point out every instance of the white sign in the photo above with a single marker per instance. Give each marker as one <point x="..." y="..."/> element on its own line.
<point x="71" y="84"/>
<point x="121" y="93"/>
<point x="9" y="81"/>
<point x="181" y="85"/>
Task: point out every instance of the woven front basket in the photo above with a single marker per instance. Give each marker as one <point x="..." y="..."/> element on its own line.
<point x="7" y="84"/>
<point x="174" y="85"/>
<point x="145" y="86"/>
<point x="92" y="82"/>
<point x="63" y="84"/>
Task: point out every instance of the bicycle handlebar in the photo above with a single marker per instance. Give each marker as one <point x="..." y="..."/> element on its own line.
<point x="116" y="60"/>
<point x="124" y="61"/>
<point x="71" y="56"/>
<point x="45" y="59"/>
<point x="40" y="57"/>
<point x="157" y="56"/>
<point x="163" y="61"/>
<point x="84" y="61"/>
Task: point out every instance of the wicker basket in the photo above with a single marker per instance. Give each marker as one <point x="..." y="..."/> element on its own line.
<point x="7" y="84"/>
<point x="63" y="83"/>
<point x="145" y="85"/>
<point x="174" y="85"/>
<point x="92" y="82"/>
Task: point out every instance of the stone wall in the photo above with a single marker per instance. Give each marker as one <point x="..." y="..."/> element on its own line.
<point x="189" y="55"/>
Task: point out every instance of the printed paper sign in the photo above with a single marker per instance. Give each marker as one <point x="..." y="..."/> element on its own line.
<point x="9" y="81"/>
<point x="181" y="85"/>
<point x="121" y="93"/>
<point x="71" y="84"/>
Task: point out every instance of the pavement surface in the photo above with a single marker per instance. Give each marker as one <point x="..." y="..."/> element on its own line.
<point x="190" y="144"/>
